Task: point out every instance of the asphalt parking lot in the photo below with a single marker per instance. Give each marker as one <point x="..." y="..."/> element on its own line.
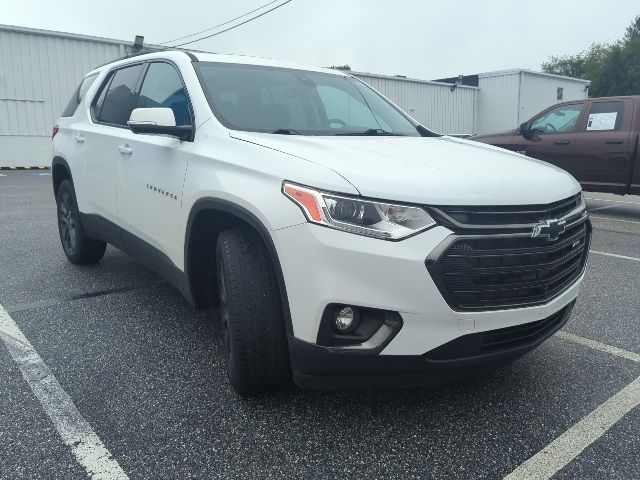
<point x="145" y="371"/>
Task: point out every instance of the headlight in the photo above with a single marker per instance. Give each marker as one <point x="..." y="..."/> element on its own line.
<point x="362" y="217"/>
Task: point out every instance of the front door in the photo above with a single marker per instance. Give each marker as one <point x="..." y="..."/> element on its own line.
<point x="552" y="135"/>
<point x="604" y="149"/>
<point x="152" y="169"/>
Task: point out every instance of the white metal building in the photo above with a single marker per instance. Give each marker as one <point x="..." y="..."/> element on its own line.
<point x="40" y="69"/>
<point x="434" y="104"/>
<point x="510" y="97"/>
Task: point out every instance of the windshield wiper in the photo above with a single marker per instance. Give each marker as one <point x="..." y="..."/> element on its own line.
<point x="372" y="132"/>
<point x="287" y="131"/>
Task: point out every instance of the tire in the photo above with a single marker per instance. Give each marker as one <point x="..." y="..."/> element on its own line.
<point x="77" y="246"/>
<point x="251" y="314"/>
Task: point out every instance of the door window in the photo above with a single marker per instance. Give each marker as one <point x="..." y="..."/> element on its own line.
<point x="562" y="119"/>
<point x="119" y="98"/>
<point x="605" y="116"/>
<point x="162" y="87"/>
<point x="78" y="95"/>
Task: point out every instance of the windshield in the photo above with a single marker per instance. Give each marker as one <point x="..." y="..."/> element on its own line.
<point x="297" y="102"/>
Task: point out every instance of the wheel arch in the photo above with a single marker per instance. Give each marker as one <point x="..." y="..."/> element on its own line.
<point x="207" y="219"/>
<point x="60" y="171"/>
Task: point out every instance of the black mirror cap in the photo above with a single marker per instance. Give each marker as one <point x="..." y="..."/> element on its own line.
<point x="182" y="132"/>
<point x="524" y="130"/>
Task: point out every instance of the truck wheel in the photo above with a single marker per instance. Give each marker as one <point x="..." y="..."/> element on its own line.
<point x="254" y="332"/>
<point x="76" y="245"/>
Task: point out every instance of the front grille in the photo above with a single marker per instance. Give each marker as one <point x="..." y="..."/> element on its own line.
<point x="481" y="271"/>
<point x="499" y="341"/>
<point x="504" y="216"/>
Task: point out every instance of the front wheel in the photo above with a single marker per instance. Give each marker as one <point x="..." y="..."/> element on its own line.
<point x="76" y="245"/>
<point x="251" y="312"/>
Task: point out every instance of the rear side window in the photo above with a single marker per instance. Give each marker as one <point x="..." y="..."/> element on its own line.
<point x="605" y="116"/>
<point x="119" y="99"/>
<point x="162" y="87"/>
<point x="78" y="95"/>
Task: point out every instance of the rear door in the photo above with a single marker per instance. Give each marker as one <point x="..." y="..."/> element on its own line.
<point x="110" y="111"/>
<point x="151" y="169"/>
<point x="604" y="150"/>
<point x="553" y="135"/>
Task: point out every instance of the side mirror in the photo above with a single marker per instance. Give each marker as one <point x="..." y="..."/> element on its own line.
<point x="158" y="121"/>
<point x="524" y="130"/>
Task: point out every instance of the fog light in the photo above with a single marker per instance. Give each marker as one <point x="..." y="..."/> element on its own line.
<point x="347" y="320"/>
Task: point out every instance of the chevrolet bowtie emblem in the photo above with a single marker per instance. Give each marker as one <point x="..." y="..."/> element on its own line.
<point x="549" y="229"/>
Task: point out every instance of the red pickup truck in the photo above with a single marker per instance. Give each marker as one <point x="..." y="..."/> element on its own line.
<point x="596" y="140"/>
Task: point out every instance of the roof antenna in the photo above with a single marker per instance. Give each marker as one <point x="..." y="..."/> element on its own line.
<point x="137" y="44"/>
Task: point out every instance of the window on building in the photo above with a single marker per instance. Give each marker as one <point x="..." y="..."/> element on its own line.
<point x="559" y="93"/>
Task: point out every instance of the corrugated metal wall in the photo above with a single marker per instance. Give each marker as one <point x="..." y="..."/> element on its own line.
<point x="38" y="74"/>
<point x="499" y="99"/>
<point x="540" y="92"/>
<point x="509" y="98"/>
<point x="432" y="104"/>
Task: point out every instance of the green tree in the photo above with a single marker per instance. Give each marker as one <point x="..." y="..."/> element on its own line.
<point x="614" y="69"/>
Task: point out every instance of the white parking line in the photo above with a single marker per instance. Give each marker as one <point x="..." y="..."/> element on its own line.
<point x="560" y="452"/>
<point x="74" y="430"/>
<point x="2" y="175"/>
<point x="570" y="444"/>
<point x="615" y="255"/>
<point x="609" y="200"/>
<point x="602" y="208"/>
<point x="614" y="219"/>
<point x="603" y="347"/>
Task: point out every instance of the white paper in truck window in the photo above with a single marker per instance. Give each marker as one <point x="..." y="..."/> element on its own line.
<point x="602" y="121"/>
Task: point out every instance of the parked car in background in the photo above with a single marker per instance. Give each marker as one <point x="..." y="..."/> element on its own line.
<point x="596" y="140"/>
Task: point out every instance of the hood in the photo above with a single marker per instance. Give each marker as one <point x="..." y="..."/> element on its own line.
<point x="427" y="170"/>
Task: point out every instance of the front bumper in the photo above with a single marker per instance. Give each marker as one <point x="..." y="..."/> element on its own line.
<point x="322" y="266"/>
<point x="468" y="355"/>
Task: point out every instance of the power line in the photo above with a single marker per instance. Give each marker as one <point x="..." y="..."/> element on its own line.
<point x="234" y="26"/>
<point x="220" y="24"/>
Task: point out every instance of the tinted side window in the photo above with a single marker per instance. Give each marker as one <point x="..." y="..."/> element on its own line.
<point x="78" y="95"/>
<point x="162" y="87"/>
<point x="605" y="116"/>
<point x="562" y="119"/>
<point x="120" y="96"/>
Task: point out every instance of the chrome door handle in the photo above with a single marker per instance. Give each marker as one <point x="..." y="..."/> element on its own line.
<point x="125" y="150"/>
<point x="79" y="139"/>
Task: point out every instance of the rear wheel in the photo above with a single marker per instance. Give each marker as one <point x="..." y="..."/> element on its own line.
<point x="76" y="245"/>
<point x="251" y="312"/>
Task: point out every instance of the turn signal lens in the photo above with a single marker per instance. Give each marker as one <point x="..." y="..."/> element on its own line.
<point x="305" y="199"/>
<point x="355" y="215"/>
<point x="55" y="131"/>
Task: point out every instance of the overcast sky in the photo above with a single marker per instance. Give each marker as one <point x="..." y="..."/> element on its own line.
<point x="421" y="39"/>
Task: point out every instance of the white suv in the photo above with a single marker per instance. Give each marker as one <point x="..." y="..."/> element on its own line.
<point x="344" y="243"/>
